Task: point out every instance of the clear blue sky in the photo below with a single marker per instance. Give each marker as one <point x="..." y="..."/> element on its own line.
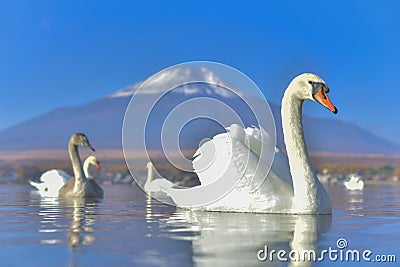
<point x="59" y="53"/>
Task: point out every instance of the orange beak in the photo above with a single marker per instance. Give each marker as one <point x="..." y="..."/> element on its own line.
<point x="98" y="165"/>
<point x="324" y="100"/>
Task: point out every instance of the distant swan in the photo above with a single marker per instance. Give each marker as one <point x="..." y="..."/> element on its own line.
<point x="355" y="183"/>
<point x="52" y="180"/>
<point x="152" y="185"/>
<point x="290" y="186"/>
<point x="79" y="185"/>
<point x="90" y="161"/>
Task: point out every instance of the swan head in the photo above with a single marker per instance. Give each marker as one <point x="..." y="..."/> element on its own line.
<point x="149" y="165"/>
<point x="310" y="86"/>
<point x="92" y="160"/>
<point x="80" y="139"/>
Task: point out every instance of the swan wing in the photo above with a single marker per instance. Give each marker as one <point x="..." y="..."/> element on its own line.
<point x="213" y="157"/>
<point x="233" y="192"/>
<point x="223" y="155"/>
<point x="271" y="187"/>
<point x="229" y="166"/>
<point x="219" y="163"/>
<point x="55" y="177"/>
<point x="280" y="167"/>
<point x="260" y="142"/>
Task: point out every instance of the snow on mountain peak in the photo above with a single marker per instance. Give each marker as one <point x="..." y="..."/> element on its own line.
<point x="177" y="76"/>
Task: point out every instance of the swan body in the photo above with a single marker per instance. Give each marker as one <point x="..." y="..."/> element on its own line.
<point x="289" y="186"/>
<point x="80" y="185"/>
<point x="52" y="180"/>
<point x="355" y="183"/>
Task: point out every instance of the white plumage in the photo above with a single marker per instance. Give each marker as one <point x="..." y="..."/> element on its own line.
<point x="52" y="180"/>
<point x="236" y="165"/>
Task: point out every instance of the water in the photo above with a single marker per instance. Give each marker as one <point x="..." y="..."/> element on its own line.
<point x="127" y="228"/>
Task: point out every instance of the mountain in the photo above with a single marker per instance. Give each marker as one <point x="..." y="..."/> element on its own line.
<point x="102" y="121"/>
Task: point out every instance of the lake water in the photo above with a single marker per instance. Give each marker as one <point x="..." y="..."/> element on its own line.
<point x="127" y="228"/>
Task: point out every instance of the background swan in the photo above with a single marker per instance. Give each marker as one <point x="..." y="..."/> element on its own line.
<point x="291" y="185"/>
<point x="90" y="161"/>
<point x="355" y="183"/>
<point x="52" y="180"/>
<point x="152" y="185"/>
<point x="79" y="185"/>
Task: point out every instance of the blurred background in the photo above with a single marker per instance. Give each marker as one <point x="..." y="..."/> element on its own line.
<point x="68" y="66"/>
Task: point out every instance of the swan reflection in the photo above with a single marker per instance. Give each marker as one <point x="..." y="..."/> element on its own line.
<point x="356" y="202"/>
<point x="233" y="239"/>
<point x="81" y="231"/>
<point x="76" y="215"/>
<point x="50" y="216"/>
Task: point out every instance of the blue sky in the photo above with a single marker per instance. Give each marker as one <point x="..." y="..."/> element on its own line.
<point x="60" y="53"/>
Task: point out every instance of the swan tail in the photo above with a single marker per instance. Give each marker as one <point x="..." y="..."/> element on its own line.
<point x="158" y="185"/>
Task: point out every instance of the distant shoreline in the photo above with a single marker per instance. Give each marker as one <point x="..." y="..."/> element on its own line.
<point x="58" y="154"/>
<point x="62" y="154"/>
<point x="375" y="168"/>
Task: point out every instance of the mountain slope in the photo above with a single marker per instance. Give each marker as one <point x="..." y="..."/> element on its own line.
<point x="102" y="121"/>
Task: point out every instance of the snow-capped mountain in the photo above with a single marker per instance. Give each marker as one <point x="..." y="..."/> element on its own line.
<point x="102" y="120"/>
<point x="177" y="76"/>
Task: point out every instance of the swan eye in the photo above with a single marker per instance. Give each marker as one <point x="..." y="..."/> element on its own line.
<point x="310" y="82"/>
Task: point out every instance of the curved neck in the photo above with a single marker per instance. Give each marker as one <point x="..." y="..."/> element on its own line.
<point x="86" y="166"/>
<point x="149" y="174"/>
<point x="76" y="163"/>
<point x="303" y="177"/>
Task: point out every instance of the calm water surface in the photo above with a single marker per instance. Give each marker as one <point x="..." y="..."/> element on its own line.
<point x="127" y="228"/>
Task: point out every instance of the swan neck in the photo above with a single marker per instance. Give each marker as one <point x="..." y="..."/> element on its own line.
<point x="86" y="166"/>
<point x="76" y="163"/>
<point x="149" y="174"/>
<point x="303" y="177"/>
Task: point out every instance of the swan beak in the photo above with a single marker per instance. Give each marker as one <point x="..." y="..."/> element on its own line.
<point x="90" y="146"/>
<point x="98" y="165"/>
<point x="324" y="100"/>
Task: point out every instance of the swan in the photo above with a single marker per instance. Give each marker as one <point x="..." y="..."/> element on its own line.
<point x="153" y="185"/>
<point x="355" y="183"/>
<point x="290" y="186"/>
<point x="79" y="185"/>
<point x="150" y="176"/>
<point x="90" y="161"/>
<point x="52" y="180"/>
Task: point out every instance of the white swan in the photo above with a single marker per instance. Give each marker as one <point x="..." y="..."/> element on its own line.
<point x="355" y="183"/>
<point x="79" y="185"/>
<point x="152" y="185"/>
<point x="52" y="180"/>
<point x="290" y="186"/>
